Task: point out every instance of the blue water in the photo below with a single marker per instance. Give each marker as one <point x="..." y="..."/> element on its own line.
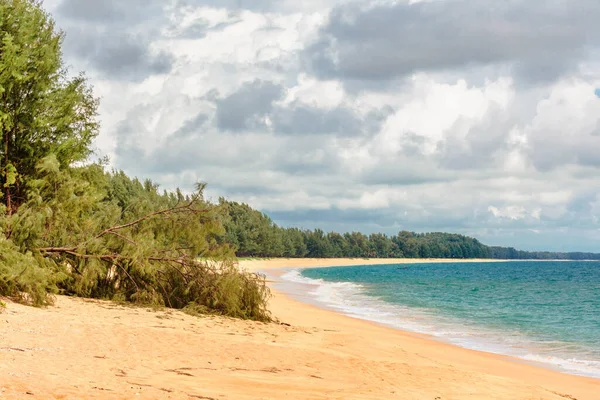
<point x="544" y="312"/>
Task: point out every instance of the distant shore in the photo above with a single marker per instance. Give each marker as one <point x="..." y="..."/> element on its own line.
<point x="258" y="264"/>
<point x="264" y="264"/>
<point x="101" y="350"/>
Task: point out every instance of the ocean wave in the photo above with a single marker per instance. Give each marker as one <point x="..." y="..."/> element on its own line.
<point x="352" y="299"/>
<point x="580" y="367"/>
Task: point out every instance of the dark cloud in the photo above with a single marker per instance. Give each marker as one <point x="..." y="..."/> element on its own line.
<point x="246" y="108"/>
<point x="302" y="119"/>
<point x="119" y="56"/>
<point x="191" y="127"/>
<point x="387" y="220"/>
<point x="253" y="5"/>
<point x="390" y="41"/>
<point x="114" y="38"/>
<point x="404" y="171"/>
<point x="241" y="191"/>
<point x="306" y="120"/>
<point x="326" y="217"/>
<point x="113" y="12"/>
<point x="107" y="10"/>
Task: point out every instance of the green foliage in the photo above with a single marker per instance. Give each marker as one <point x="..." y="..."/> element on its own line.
<point x="228" y="291"/>
<point x="253" y="234"/>
<point x="42" y="111"/>
<point x="509" y="253"/>
<point x="117" y="238"/>
<point x="22" y="279"/>
<point x="80" y="230"/>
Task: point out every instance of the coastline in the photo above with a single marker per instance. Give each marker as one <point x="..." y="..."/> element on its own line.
<point x="101" y="350"/>
<point x="503" y="366"/>
<point x="267" y="264"/>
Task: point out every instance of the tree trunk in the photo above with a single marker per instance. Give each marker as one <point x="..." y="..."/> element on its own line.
<point x="8" y="200"/>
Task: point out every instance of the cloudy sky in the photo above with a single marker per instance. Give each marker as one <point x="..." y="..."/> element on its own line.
<point x="480" y="117"/>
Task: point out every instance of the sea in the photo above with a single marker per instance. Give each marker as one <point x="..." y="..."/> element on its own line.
<point x="545" y="313"/>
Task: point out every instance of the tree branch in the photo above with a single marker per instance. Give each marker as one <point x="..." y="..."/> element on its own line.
<point x="123" y="237"/>
<point x="172" y="210"/>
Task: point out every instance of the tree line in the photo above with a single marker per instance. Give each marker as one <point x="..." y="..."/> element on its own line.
<point x="253" y="234"/>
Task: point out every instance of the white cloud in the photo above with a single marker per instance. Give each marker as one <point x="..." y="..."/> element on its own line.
<point x="458" y="146"/>
<point x="511" y="212"/>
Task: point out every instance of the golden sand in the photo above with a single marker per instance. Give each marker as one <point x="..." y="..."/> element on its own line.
<point x="83" y="349"/>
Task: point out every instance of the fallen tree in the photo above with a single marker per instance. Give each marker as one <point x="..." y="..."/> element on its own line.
<point x="89" y="233"/>
<point x="82" y="230"/>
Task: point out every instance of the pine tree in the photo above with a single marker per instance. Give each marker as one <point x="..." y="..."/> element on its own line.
<point x="42" y="110"/>
<point x="104" y="235"/>
<point x="78" y="230"/>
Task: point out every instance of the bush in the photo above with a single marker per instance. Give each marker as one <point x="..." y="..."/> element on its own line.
<point x="22" y="279"/>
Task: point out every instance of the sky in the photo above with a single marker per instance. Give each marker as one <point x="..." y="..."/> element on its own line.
<point x="479" y="117"/>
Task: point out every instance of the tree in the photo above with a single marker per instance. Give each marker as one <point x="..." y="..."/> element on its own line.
<point x="75" y="229"/>
<point x="317" y="244"/>
<point x="338" y="244"/>
<point x="42" y="110"/>
<point x="381" y="245"/>
<point x="106" y="236"/>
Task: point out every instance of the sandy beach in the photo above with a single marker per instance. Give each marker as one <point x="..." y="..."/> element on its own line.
<point x="100" y="350"/>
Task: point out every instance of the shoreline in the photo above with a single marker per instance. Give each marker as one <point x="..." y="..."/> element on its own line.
<point x="289" y="282"/>
<point x="94" y="349"/>
<point x="278" y="267"/>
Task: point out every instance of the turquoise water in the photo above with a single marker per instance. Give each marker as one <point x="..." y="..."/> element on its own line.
<point x="544" y="312"/>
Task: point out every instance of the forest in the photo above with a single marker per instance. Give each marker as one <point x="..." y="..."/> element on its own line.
<point x="74" y="227"/>
<point x="253" y="234"/>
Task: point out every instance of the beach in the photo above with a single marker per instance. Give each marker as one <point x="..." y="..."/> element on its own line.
<point x="95" y="349"/>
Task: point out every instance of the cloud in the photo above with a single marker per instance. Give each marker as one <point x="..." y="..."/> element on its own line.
<point x="246" y="108"/>
<point x="563" y="131"/>
<point x="120" y="56"/>
<point x="96" y="11"/>
<point x="115" y="39"/>
<point x="389" y="40"/>
<point x="440" y="115"/>
<point x="301" y="119"/>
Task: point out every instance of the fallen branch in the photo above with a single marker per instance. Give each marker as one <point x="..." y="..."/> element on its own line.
<point x="173" y="210"/>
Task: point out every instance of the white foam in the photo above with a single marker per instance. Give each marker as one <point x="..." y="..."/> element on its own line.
<point x="351" y="299"/>
<point x="577" y="366"/>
